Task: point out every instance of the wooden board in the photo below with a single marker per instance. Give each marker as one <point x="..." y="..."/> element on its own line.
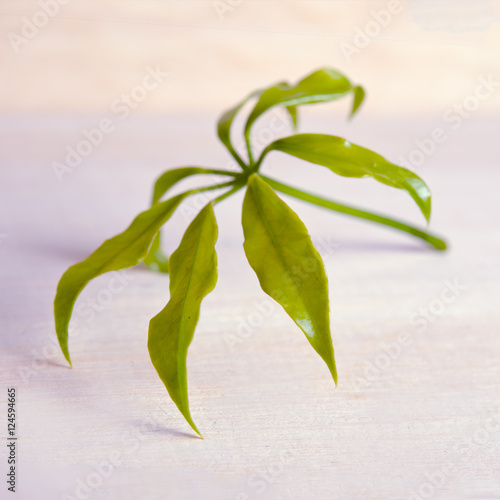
<point x="417" y="410"/>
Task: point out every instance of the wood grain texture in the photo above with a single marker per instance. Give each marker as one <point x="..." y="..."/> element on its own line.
<point x="416" y="402"/>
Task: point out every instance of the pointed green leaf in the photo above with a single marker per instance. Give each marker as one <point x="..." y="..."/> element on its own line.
<point x="156" y="259"/>
<point x="323" y="85"/>
<point x="359" y="96"/>
<point x="289" y="268"/>
<point x="193" y="274"/>
<point x="171" y="177"/>
<point x="226" y="121"/>
<point x="349" y="160"/>
<point x="292" y="111"/>
<point x="119" y="252"/>
<point x="224" y="127"/>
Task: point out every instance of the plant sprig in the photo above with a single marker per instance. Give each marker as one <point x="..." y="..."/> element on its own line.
<point x="277" y="244"/>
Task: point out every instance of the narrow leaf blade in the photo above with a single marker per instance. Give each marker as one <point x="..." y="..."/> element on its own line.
<point x="349" y="160"/>
<point x="289" y="268"/>
<point x="193" y="274"/>
<point x="226" y="121"/>
<point x="155" y="258"/>
<point x="119" y="252"/>
<point x="320" y="86"/>
<point x="170" y="178"/>
<point x="359" y="96"/>
<point x="292" y="111"/>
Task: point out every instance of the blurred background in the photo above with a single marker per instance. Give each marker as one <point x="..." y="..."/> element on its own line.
<point x="97" y="98"/>
<point x="71" y="56"/>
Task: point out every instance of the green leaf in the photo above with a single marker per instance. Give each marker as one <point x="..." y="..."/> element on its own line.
<point x="289" y="268"/>
<point x="359" y="96"/>
<point x="226" y="121"/>
<point x="171" y="177"/>
<point x="224" y="127"/>
<point x="119" y="252"/>
<point x="156" y="259"/>
<point x="349" y="160"/>
<point x="429" y="238"/>
<point x="321" y="86"/>
<point x="292" y="111"/>
<point x="193" y="274"/>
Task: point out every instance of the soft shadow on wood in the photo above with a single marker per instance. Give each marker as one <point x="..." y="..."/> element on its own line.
<point x="65" y="253"/>
<point x="161" y="430"/>
<point x="375" y="246"/>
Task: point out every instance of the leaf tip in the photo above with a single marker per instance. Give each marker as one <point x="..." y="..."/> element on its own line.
<point x="440" y="245"/>
<point x="65" y="352"/>
<point x="189" y="420"/>
<point x="359" y="96"/>
<point x="427" y="215"/>
<point x="333" y="371"/>
<point x="62" y="338"/>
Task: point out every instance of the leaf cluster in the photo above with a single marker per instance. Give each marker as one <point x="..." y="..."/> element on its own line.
<point x="277" y="244"/>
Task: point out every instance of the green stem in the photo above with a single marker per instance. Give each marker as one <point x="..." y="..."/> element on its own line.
<point x="214" y="186"/>
<point x="249" y="149"/>
<point x="434" y="241"/>
<point x="237" y="157"/>
<point x="256" y="165"/>
<point x="225" y="195"/>
<point x="220" y="172"/>
<point x="155" y="253"/>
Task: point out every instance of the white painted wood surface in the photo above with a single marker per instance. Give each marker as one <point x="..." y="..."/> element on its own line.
<point x="425" y="421"/>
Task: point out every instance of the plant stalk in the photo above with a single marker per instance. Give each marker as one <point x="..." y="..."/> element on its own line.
<point x="429" y="238"/>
